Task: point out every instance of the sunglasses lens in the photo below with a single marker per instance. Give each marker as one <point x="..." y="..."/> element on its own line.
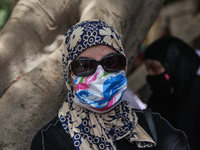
<point x="114" y="63"/>
<point x="87" y="67"/>
<point x="84" y="67"/>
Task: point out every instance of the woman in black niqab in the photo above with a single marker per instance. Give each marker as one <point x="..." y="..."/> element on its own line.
<point x="180" y="106"/>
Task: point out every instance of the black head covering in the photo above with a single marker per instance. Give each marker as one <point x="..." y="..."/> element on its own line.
<point x="179" y="59"/>
<point x="182" y="108"/>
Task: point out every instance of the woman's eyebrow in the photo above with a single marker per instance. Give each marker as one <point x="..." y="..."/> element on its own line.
<point x="82" y="57"/>
<point x="111" y="54"/>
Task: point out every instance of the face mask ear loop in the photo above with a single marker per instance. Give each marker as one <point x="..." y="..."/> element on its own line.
<point x="126" y="67"/>
<point x="72" y="84"/>
<point x="73" y="76"/>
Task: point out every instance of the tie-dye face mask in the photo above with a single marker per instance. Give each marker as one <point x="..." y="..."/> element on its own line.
<point x="101" y="91"/>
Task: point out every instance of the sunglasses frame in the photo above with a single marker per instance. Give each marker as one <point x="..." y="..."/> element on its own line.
<point x="72" y="67"/>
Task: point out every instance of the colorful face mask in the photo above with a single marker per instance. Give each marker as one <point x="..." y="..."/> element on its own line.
<point x="101" y="91"/>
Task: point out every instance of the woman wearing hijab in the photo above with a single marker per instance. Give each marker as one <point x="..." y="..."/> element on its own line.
<point x="94" y="115"/>
<point x="172" y="68"/>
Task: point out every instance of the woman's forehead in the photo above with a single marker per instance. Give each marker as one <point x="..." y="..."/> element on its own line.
<point x="97" y="52"/>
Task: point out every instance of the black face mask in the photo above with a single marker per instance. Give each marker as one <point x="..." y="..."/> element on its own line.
<point x="160" y="84"/>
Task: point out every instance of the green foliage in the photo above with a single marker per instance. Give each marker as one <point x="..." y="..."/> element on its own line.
<point x="5" y="11"/>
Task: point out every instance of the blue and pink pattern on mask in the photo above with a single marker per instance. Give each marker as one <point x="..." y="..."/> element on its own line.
<point x="101" y="91"/>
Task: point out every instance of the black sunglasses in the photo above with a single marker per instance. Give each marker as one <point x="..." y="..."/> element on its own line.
<point x="87" y="66"/>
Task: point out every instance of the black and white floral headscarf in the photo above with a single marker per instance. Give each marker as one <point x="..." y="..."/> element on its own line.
<point x="90" y="130"/>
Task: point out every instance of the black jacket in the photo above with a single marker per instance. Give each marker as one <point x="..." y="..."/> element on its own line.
<point x="54" y="137"/>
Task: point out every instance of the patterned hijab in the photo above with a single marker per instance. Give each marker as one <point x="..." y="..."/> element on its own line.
<point x="90" y="130"/>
